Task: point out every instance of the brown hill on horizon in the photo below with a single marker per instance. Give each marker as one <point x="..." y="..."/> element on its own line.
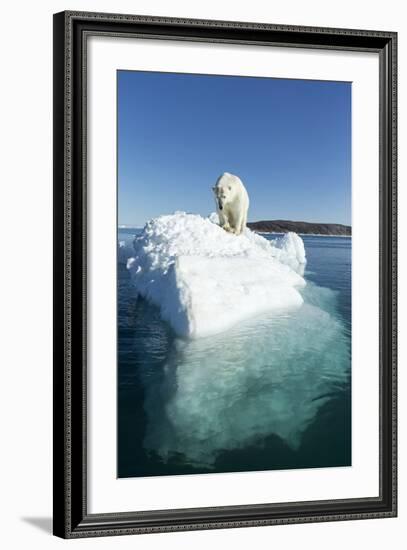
<point x="284" y="226"/>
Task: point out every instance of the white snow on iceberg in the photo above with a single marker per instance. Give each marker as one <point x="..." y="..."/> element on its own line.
<point x="205" y="280"/>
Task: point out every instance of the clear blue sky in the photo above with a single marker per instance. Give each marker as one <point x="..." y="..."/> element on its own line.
<point x="288" y="140"/>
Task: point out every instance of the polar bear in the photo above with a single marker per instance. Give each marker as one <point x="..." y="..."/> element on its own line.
<point x="232" y="203"/>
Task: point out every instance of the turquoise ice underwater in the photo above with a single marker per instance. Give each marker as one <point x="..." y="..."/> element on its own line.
<point x="272" y="392"/>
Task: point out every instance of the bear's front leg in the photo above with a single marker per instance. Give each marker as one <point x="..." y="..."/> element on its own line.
<point x="241" y="224"/>
<point x="224" y="222"/>
<point x="238" y="230"/>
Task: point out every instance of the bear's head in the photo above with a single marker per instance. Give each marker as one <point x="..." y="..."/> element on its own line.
<point x="225" y="189"/>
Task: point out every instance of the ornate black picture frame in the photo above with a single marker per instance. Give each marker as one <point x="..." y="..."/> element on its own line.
<point x="71" y="517"/>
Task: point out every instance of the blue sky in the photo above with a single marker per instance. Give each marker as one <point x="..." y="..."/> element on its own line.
<point x="288" y="140"/>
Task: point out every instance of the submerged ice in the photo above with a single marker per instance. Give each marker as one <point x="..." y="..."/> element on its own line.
<point x="205" y="280"/>
<point x="266" y="376"/>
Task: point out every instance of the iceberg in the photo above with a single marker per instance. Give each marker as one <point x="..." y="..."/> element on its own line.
<point x="205" y="280"/>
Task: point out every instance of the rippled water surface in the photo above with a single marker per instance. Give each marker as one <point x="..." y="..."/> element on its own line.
<point x="272" y="393"/>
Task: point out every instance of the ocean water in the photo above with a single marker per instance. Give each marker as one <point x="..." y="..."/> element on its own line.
<point x="271" y="393"/>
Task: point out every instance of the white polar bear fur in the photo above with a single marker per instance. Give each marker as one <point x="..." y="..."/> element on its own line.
<point x="232" y="203"/>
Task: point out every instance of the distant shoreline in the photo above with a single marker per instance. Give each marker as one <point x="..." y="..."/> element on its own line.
<point x="303" y="234"/>
<point x="302" y="228"/>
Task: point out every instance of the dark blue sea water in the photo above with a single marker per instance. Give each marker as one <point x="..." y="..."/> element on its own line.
<point x="272" y="393"/>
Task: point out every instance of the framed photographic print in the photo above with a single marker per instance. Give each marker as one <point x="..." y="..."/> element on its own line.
<point x="224" y="274"/>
